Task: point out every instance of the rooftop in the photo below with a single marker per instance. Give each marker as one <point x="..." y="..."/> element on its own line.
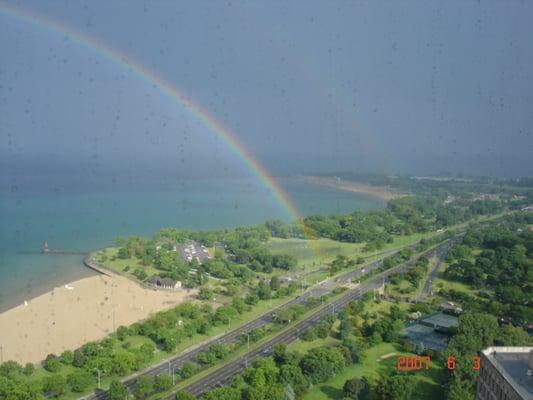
<point x="512" y="364"/>
<point x="441" y="320"/>
<point x="426" y="336"/>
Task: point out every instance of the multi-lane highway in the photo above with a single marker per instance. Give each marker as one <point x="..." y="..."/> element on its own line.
<point x="428" y="286"/>
<point x="224" y="375"/>
<point x="233" y="336"/>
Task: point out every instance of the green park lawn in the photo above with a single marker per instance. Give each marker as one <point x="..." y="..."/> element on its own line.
<point x="303" y="345"/>
<point x="380" y="309"/>
<point x="442" y="283"/>
<point x="372" y="366"/>
<point x="405" y="285"/>
<point x="117" y="264"/>
<point x="317" y="251"/>
<point x="403" y="289"/>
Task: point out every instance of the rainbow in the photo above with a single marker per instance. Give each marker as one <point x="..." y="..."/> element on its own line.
<point x="166" y="88"/>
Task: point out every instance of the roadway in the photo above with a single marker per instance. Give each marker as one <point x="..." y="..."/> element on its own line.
<point x="428" y="286"/>
<point x="233" y="336"/>
<point x="224" y="375"/>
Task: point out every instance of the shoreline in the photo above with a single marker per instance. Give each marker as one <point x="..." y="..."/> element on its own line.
<point x="51" y="323"/>
<point x="381" y="192"/>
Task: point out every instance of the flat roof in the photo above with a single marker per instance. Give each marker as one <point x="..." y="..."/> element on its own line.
<point x="441" y="320"/>
<point x="512" y="363"/>
<point x="422" y="334"/>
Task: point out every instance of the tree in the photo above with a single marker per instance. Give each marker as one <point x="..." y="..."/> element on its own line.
<point x="220" y="351"/>
<point x="474" y="332"/>
<point x="394" y="387"/>
<point x="165" y="259"/>
<point x="356" y="389"/>
<point x="309" y="335"/>
<point x="188" y="369"/>
<point x="55" y="385"/>
<point x="15" y="389"/>
<point x="280" y="353"/>
<point x="78" y="359"/>
<point x="322" y="363"/>
<point x="123" y="363"/>
<point x="292" y="375"/>
<point x="183" y="395"/>
<point x="124" y="253"/>
<point x="79" y="381"/>
<point x="162" y="382"/>
<point x="205" y="294"/>
<point x="143" y="388"/>
<point x="284" y="261"/>
<point x="10" y="368"/>
<point x="223" y="393"/>
<point x="147" y="351"/>
<point x="263" y="291"/>
<point x="28" y="370"/>
<point x="51" y="363"/>
<point x="122" y="332"/>
<point x="238" y="304"/>
<point x="117" y="390"/>
<point x="514" y="336"/>
<point x="206" y="358"/>
<point x="140" y="274"/>
<point x="274" y="283"/>
<point x="67" y="357"/>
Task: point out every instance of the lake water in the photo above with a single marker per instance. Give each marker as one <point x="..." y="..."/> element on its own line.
<point x="70" y="215"/>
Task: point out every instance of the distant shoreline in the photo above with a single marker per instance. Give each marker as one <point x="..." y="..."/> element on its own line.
<point x="382" y="192"/>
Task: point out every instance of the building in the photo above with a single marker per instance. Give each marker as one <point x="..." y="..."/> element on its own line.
<point x="431" y="332"/>
<point x="506" y="373"/>
<point x="163" y="283"/>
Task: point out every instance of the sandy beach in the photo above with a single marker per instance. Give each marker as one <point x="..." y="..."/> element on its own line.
<point x="81" y="311"/>
<point x="381" y="192"/>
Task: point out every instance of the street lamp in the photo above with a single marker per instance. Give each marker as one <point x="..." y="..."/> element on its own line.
<point x="98" y="372"/>
<point x="173" y="376"/>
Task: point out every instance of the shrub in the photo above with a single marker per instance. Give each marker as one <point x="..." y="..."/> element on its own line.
<point x="188" y="369"/>
<point x="28" y="370"/>
<point x="78" y="359"/>
<point x="67" y="357"/>
<point x="162" y="382"/>
<point x="79" y="381"/>
<point x="51" y="363"/>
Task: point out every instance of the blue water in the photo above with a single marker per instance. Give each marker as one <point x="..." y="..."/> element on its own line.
<point x="84" y="216"/>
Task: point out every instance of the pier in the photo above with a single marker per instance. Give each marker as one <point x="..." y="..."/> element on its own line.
<point x="46" y="250"/>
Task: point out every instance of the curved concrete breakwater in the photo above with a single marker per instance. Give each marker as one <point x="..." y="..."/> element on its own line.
<point x="91" y="263"/>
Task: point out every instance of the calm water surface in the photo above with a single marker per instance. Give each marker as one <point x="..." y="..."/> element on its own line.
<point x="74" y="216"/>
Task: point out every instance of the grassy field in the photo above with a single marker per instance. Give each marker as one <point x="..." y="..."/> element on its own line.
<point x="445" y="284"/>
<point x="314" y="252"/>
<point x="372" y="366"/>
<point x="117" y="264"/>
<point x="378" y="309"/>
<point x="316" y="277"/>
<point x="303" y="345"/>
<point x="319" y="251"/>
<point x="411" y="291"/>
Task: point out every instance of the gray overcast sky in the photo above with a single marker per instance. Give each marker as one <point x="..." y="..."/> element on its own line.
<point x="398" y="87"/>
